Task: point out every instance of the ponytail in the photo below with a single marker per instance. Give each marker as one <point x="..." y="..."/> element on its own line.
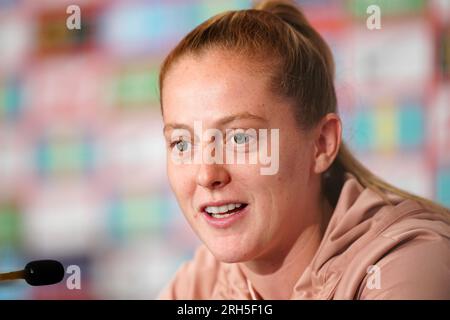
<point x="333" y="179"/>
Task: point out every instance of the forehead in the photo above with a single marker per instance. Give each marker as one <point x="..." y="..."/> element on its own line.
<point x="214" y="85"/>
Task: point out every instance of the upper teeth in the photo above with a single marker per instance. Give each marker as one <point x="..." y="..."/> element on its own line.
<point x="223" y="209"/>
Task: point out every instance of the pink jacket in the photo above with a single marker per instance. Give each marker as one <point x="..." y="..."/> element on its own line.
<point x="370" y="250"/>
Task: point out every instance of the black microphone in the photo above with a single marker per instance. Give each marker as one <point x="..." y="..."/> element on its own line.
<point x="38" y="273"/>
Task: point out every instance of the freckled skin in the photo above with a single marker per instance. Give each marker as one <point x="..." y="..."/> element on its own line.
<point x="215" y="85"/>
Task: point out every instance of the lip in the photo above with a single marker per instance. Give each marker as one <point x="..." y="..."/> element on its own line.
<point x="218" y="204"/>
<point x="224" y="222"/>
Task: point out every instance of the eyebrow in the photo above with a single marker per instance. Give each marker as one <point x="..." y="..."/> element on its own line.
<point x="221" y="122"/>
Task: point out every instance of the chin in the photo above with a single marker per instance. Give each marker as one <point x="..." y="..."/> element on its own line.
<point x="228" y="253"/>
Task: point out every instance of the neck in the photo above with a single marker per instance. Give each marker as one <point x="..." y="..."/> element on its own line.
<point x="274" y="277"/>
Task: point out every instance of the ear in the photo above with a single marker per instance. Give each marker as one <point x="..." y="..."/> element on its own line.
<point x="327" y="141"/>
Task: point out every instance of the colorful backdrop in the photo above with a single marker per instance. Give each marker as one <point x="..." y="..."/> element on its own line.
<point x="82" y="156"/>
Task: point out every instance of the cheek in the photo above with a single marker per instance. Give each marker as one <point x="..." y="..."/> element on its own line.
<point x="181" y="181"/>
<point x="284" y="190"/>
<point x="294" y="161"/>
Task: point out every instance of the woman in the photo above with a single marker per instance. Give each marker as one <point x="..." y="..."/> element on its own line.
<point x="320" y="226"/>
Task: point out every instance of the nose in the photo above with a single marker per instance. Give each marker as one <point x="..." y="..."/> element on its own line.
<point x="213" y="176"/>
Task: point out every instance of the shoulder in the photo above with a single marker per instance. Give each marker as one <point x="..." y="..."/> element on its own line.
<point x="417" y="266"/>
<point x="195" y="279"/>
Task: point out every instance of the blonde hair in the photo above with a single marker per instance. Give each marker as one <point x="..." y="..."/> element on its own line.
<point x="277" y="34"/>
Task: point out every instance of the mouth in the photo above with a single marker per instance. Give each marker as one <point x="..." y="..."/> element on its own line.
<point x="224" y="210"/>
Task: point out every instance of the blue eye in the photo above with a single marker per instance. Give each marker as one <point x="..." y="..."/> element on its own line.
<point x="240" y="138"/>
<point x="181" y="145"/>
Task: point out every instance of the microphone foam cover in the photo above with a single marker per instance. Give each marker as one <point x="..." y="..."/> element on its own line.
<point x="43" y="272"/>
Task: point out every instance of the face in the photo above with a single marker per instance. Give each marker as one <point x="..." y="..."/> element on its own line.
<point x="222" y="92"/>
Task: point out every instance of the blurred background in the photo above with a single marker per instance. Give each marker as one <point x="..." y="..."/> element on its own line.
<point x="82" y="155"/>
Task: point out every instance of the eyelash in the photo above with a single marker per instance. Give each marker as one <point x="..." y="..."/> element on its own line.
<point x="174" y="143"/>
<point x="246" y="135"/>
